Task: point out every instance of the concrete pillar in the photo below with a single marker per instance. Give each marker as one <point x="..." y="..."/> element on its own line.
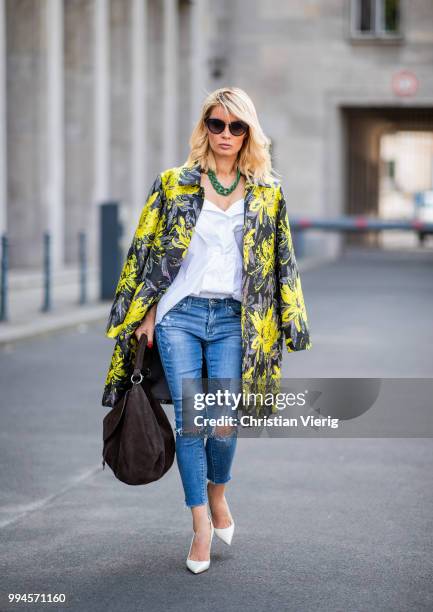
<point x="170" y="85"/>
<point x="198" y="57"/>
<point x="3" y="122"/>
<point x="139" y="142"/>
<point x="102" y="101"/>
<point x="55" y="131"/>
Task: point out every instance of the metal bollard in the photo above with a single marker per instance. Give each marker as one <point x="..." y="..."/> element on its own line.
<point x="46" y="304"/>
<point x="110" y="249"/>
<point x="298" y="239"/>
<point x="4" y="279"/>
<point x="82" y="258"/>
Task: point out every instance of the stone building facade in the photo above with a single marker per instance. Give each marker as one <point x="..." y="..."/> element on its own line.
<point x="98" y="96"/>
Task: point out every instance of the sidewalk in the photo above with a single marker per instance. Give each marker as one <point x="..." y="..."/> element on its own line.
<point x="25" y="319"/>
<point x="339" y="513"/>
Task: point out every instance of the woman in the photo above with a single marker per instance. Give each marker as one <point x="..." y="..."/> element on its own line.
<point x="211" y="276"/>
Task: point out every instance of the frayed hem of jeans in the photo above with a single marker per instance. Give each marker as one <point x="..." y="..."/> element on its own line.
<point x="218" y="483"/>
<point x="189" y="506"/>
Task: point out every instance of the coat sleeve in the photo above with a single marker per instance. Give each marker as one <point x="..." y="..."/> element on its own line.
<point x="294" y="321"/>
<point x="136" y="258"/>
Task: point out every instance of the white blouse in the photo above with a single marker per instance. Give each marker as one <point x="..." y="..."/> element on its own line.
<point x="212" y="266"/>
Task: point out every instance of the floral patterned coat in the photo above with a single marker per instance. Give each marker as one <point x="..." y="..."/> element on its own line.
<point x="273" y="308"/>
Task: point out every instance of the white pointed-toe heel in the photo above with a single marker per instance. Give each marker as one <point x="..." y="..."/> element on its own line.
<point x="225" y="533"/>
<point x="200" y="566"/>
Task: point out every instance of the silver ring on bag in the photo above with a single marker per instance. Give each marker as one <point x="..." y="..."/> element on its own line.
<point x="136" y="381"/>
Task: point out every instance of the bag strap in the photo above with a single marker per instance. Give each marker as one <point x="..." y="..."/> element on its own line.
<point x="138" y="362"/>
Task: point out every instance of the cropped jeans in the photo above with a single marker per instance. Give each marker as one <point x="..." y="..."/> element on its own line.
<point x="198" y="328"/>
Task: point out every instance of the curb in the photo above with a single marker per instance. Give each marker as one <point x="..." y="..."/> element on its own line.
<point x="16" y="332"/>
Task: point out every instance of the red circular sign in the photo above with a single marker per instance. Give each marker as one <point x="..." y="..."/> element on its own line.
<point x="404" y="83"/>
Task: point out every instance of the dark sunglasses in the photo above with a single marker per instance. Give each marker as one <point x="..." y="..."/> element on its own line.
<point x="216" y="126"/>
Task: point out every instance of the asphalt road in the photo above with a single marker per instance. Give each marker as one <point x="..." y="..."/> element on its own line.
<point x="321" y="524"/>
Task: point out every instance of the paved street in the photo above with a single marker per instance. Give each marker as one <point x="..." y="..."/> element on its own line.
<point x="321" y="524"/>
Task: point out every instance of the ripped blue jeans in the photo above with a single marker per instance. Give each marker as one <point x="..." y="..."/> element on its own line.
<point x="198" y="328"/>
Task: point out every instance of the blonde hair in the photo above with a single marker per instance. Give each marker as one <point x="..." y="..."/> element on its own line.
<point x="254" y="159"/>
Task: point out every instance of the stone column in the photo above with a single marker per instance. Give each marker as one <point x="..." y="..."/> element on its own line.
<point x="3" y="122"/>
<point x="199" y="56"/>
<point x="102" y="101"/>
<point x="55" y="189"/>
<point x="170" y="84"/>
<point x="140" y="179"/>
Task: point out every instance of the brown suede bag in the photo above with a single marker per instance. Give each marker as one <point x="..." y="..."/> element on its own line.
<point x="138" y="440"/>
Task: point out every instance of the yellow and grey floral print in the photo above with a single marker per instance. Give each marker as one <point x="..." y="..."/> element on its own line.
<point x="273" y="306"/>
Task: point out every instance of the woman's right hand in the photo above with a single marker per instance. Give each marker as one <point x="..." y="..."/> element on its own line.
<point x="147" y="326"/>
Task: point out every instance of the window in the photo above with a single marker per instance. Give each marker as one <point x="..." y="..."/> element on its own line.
<point x="390" y="168"/>
<point x="375" y="18"/>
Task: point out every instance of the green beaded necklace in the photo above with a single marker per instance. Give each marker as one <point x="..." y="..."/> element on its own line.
<point x="220" y="188"/>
